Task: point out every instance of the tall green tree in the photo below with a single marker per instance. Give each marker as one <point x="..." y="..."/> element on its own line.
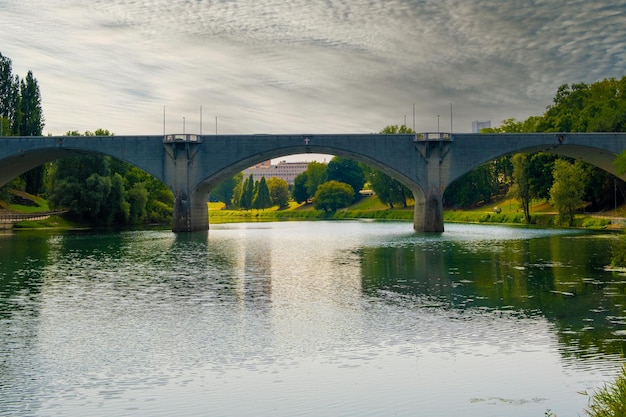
<point x="279" y="192"/>
<point x="247" y="193"/>
<point x="225" y="191"/>
<point x="316" y="175"/>
<point x="521" y="182"/>
<point x="388" y="190"/>
<point x="299" y="192"/>
<point x="261" y="199"/>
<point x="347" y="171"/>
<point x="568" y="188"/>
<point x="31" y="122"/>
<point x="9" y="96"/>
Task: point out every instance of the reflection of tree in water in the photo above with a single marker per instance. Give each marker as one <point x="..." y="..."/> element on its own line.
<point x="560" y="278"/>
<point x="23" y="259"/>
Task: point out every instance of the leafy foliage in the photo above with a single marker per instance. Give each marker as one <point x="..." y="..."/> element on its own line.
<point x="389" y="190"/>
<point x="299" y="192"/>
<point x="333" y="195"/>
<point x="21" y="114"/>
<point x="104" y="191"/>
<point x="279" y="192"/>
<point x="521" y="182"/>
<point x="261" y="199"/>
<point x="247" y="193"/>
<point x="567" y="191"/>
<point x="225" y="191"/>
<point x="346" y="171"/>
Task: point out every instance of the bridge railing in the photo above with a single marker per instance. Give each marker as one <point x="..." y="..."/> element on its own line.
<point x="181" y="138"/>
<point x="434" y="136"/>
<point x="12" y="217"/>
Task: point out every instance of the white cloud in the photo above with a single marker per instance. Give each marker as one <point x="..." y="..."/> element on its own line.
<point x="313" y="66"/>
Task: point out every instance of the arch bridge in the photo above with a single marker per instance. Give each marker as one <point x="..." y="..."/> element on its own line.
<point x="191" y="165"/>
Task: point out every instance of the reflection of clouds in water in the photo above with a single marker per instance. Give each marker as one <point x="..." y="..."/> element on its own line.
<point x="302" y="66"/>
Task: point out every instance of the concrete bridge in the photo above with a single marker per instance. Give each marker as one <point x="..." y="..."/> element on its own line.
<point x="191" y="165"/>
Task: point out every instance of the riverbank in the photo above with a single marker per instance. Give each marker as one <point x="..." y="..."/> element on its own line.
<point x="370" y="207"/>
<point x="503" y="212"/>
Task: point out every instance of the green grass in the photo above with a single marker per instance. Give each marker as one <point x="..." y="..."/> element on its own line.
<point x="368" y="207"/>
<point x="42" y="205"/>
<point x="610" y="400"/>
<point x="56" y="222"/>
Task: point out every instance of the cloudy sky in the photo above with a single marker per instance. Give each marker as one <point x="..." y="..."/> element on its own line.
<point x="305" y="66"/>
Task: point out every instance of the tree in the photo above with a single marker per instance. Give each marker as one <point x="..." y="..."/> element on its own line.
<point x="521" y="182"/>
<point x="31" y="120"/>
<point x="568" y="188"/>
<point x="333" y="195"/>
<point x="105" y="191"/>
<point x="21" y="114"/>
<point x="225" y="191"/>
<point x="279" y="192"/>
<point x="299" y="192"/>
<point x="346" y="171"/>
<point x="9" y="95"/>
<point x="540" y="174"/>
<point x="316" y="174"/>
<point x="261" y="199"/>
<point x="247" y="193"/>
<point x="31" y="124"/>
<point x="477" y="186"/>
<point x="387" y="189"/>
<point x="80" y="184"/>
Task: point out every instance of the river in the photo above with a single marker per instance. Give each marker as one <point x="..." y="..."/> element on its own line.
<point x="341" y="318"/>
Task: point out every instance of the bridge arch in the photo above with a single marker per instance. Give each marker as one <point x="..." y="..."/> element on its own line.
<point x="598" y="149"/>
<point x="20" y="154"/>
<point x="214" y="176"/>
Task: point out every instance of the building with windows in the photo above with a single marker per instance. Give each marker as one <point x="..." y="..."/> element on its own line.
<point x="287" y="171"/>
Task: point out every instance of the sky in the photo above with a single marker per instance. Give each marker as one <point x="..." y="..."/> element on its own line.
<point x="139" y="67"/>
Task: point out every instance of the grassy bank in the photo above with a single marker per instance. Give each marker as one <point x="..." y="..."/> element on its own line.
<point x="542" y="215"/>
<point x="503" y="212"/>
<point x="367" y="208"/>
<point x="370" y="207"/>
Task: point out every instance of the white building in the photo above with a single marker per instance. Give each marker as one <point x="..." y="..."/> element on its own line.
<point x="287" y="171"/>
<point x="476" y="125"/>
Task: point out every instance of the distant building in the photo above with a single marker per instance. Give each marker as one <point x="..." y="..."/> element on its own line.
<point x="477" y="126"/>
<point x="287" y="171"/>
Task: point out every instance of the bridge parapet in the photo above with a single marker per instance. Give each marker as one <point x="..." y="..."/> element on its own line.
<point x="178" y="138"/>
<point x="432" y="136"/>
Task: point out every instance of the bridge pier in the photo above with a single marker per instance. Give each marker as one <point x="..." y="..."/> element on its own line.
<point x="428" y="212"/>
<point x="190" y="206"/>
<point x="190" y="214"/>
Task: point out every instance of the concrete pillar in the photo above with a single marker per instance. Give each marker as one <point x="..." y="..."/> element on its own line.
<point x="190" y="214"/>
<point x="428" y="212"/>
<point x="190" y="207"/>
<point x="428" y="215"/>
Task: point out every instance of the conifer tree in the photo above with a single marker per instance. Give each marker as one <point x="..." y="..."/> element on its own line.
<point x="262" y="198"/>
